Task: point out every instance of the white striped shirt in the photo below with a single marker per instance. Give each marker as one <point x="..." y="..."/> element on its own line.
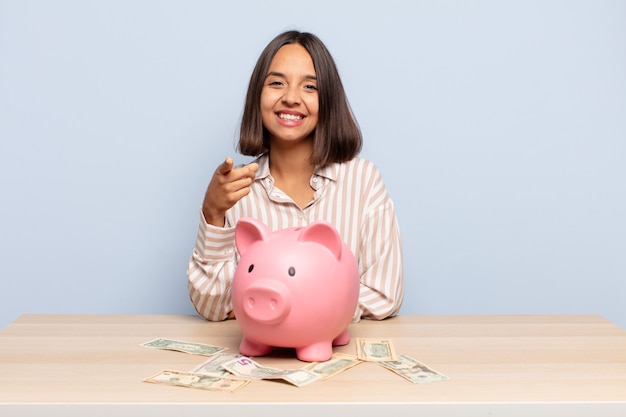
<point x="351" y="196"/>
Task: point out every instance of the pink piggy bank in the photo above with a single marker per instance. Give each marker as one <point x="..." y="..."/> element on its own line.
<point x="293" y="288"/>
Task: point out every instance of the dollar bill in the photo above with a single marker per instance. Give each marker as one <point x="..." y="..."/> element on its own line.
<point x="247" y="368"/>
<point x="413" y="370"/>
<point x="198" y="381"/>
<point x="375" y="350"/>
<point x="186" y="347"/>
<point x="213" y="366"/>
<point x="338" y="363"/>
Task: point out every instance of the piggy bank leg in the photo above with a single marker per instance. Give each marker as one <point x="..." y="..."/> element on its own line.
<point x="342" y="339"/>
<point x="250" y="348"/>
<point x="317" y="352"/>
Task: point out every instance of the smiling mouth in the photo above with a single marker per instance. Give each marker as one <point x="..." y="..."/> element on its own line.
<point x="285" y="116"/>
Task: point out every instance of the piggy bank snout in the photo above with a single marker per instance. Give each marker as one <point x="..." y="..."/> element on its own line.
<point x="266" y="301"/>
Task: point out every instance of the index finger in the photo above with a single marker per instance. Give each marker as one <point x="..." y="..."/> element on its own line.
<point x="226" y="166"/>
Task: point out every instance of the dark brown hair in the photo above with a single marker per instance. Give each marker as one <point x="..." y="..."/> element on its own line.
<point x="337" y="137"/>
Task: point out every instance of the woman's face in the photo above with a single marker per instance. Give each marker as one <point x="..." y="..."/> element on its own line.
<point x="289" y="100"/>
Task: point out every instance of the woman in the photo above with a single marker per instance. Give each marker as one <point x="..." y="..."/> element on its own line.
<point x="298" y="123"/>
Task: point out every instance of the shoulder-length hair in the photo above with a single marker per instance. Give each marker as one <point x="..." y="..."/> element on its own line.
<point x="337" y="136"/>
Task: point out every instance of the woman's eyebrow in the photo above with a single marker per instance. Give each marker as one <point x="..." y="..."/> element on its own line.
<point x="280" y="74"/>
<point x="275" y="74"/>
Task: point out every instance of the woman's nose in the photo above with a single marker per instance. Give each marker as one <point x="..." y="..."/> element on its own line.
<point x="292" y="96"/>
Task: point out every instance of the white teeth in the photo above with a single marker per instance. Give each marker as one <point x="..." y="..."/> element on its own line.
<point x="289" y="116"/>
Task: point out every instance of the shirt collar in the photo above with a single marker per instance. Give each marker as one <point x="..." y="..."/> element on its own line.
<point x="264" y="167"/>
<point x="329" y="171"/>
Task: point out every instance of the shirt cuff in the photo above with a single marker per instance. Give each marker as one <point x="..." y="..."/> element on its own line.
<point x="213" y="242"/>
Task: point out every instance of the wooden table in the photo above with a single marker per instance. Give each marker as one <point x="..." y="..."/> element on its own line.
<point x="79" y="365"/>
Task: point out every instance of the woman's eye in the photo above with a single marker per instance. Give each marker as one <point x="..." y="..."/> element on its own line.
<point x="310" y="87"/>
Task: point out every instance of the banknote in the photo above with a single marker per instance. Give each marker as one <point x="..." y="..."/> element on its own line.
<point x="413" y="370"/>
<point x="338" y="363"/>
<point x="186" y="347"/>
<point x="247" y="368"/>
<point x="375" y="350"/>
<point x="198" y="381"/>
<point x="213" y="366"/>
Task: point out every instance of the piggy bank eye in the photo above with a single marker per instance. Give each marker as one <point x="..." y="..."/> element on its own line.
<point x="251" y="267"/>
<point x="292" y="271"/>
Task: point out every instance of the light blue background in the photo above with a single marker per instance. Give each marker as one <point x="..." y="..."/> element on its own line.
<point x="499" y="128"/>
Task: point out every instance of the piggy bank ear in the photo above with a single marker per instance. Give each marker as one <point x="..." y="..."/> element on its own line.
<point x="249" y="231"/>
<point x="323" y="233"/>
